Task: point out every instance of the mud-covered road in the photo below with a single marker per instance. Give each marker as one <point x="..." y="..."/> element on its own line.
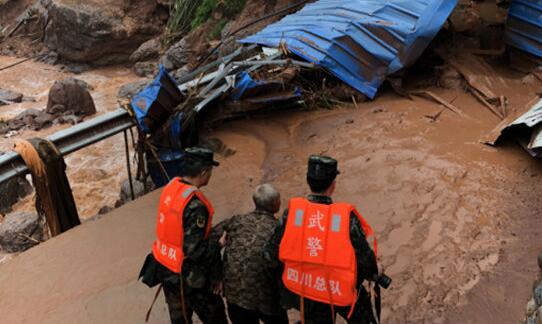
<point x="448" y="210"/>
<point x="457" y="221"/>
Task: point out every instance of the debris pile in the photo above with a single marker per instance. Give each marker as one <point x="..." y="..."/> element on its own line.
<point x="360" y="42"/>
<point x="525" y="126"/>
<point x="246" y="82"/>
<point x="324" y="54"/>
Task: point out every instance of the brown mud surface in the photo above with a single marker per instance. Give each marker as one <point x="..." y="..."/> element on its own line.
<point x="95" y="172"/>
<point x="452" y="215"/>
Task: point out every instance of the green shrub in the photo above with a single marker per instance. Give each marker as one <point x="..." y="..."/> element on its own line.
<point x="181" y="13"/>
<point x="185" y="15"/>
<point x="216" y="32"/>
<point x="207" y="7"/>
<point x="233" y="7"/>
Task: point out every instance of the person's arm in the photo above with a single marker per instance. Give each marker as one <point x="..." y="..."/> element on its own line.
<point x="271" y="250"/>
<point x="365" y="257"/>
<point x="219" y="229"/>
<point x="202" y="256"/>
<point x="195" y="246"/>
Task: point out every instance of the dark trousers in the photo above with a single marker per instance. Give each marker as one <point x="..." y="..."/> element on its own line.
<point x="208" y="306"/>
<point x="320" y="313"/>
<point x="240" y="315"/>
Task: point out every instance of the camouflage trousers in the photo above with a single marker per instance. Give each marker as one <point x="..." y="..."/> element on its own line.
<point x="208" y="306"/>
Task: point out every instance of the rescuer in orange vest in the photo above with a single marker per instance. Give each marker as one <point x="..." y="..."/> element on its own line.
<point x="182" y="249"/>
<point x="323" y="253"/>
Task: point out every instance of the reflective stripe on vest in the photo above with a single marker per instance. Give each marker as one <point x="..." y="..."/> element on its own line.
<point x="318" y="256"/>
<point x="168" y="246"/>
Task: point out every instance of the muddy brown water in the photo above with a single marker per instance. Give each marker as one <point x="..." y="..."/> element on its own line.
<point x="95" y="172"/>
<point x="457" y="221"/>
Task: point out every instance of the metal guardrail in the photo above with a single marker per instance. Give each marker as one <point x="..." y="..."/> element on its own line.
<point x="91" y="131"/>
<point x="71" y="139"/>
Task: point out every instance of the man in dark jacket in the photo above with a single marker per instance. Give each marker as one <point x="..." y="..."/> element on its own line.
<point x="250" y="289"/>
<point x="195" y="255"/>
<point x="321" y="175"/>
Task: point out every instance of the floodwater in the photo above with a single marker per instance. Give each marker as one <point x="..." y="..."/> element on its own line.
<point x="95" y="172"/>
<point x="441" y="203"/>
<point x="451" y="214"/>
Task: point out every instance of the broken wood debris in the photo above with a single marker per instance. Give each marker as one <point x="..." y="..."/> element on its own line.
<point x="22" y="61"/>
<point x="485" y="102"/>
<point x="435" y="117"/>
<point x="503" y="103"/>
<point x="440" y="100"/>
<point x="276" y="62"/>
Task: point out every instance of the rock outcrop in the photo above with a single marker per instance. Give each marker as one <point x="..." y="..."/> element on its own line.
<point x="11" y="191"/>
<point x="102" y="32"/>
<point x="8" y="96"/>
<point x="147" y="51"/>
<point x="177" y="55"/>
<point x="20" y="231"/>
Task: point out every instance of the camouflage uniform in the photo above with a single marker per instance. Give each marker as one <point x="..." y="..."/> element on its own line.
<point x="320" y="313"/>
<point x="197" y="268"/>
<point x="322" y="171"/>
<point x="250" y="289"/>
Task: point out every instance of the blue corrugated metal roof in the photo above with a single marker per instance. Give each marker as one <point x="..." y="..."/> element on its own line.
<point x="359" y="41"/>
<point x="524" y="26"/>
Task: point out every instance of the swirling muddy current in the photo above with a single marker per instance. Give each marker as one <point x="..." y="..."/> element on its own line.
<point x="444" y="206"/>
<point x="96" y="172"/>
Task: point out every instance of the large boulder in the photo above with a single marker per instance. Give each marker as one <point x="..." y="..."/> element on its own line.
<point x="128" y="90"/>
<point x="177" y="55"/>
<point x="148" y="50"/>
<point x="11" y="191"/>
<point x="99" y="31"/>
<point x="20" y="231"/>
<point x="139" y="190"/>
<point x="70" y="96"/>
<point x="145" y="69"/>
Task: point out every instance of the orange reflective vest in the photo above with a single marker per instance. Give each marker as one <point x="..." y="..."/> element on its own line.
<point x="318" y="256"/>
<point x="168" y="247"/>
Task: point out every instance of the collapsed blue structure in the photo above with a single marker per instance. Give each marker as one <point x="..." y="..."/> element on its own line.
<point x="524" y="26"/>
<point x="359" y="41"/>
<point x="154" y="109"/>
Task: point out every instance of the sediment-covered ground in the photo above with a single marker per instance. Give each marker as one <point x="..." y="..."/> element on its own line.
<point x="452" y="215"/>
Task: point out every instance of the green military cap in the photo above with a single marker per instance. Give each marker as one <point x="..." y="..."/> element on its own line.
<point x="199" y="156"/>
<point x="322" y="167"/>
